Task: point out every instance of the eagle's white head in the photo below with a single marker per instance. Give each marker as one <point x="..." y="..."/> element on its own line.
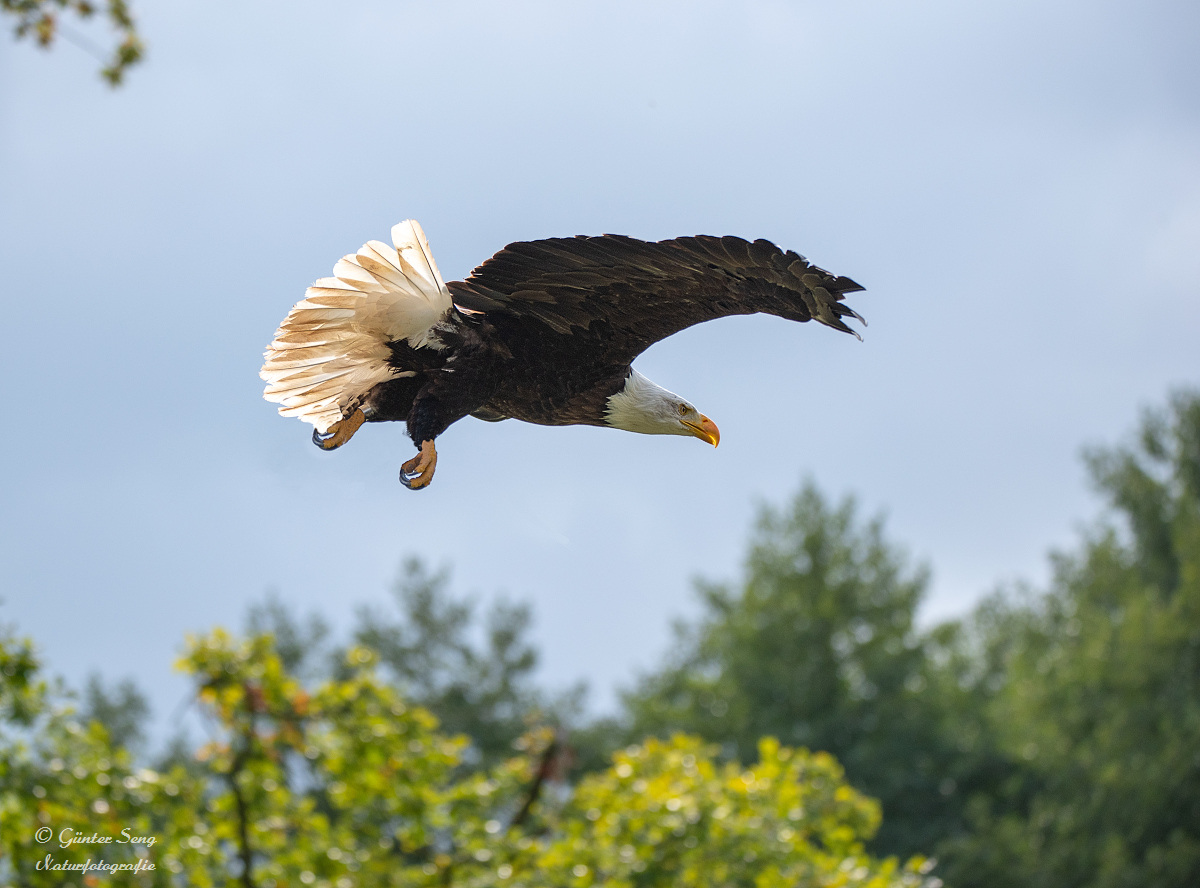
<point x="641" y="406"/>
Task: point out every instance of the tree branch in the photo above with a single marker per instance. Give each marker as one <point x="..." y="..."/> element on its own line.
<point x="535" y="789"/>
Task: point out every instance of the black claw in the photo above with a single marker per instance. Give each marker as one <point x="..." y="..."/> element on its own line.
<point x="407" y="480"/>
<point x="319" y="439"/>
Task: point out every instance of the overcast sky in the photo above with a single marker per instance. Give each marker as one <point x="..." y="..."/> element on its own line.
<point x="1017" y="184"/>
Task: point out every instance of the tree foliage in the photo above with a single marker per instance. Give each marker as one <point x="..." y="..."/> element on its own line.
<point x="342" y="782"/>
<point x="475" y="675"/>
<point x="121" y="710"/>
<point x="474" y="671"/>
<point x="817" y="645"/>
<point x="41" y="21"/>
<point x="668" y="814"/>
<point x="1048" y="739"/>
<point x="1094" y="688"/>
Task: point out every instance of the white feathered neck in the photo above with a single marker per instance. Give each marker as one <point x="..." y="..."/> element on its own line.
<point x="646" y="407"/>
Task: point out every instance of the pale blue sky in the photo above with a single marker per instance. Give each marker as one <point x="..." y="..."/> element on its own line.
<point x="1017" y="184"/>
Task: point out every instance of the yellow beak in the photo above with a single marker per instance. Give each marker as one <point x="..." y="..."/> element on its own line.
<point x="705" y="430"/>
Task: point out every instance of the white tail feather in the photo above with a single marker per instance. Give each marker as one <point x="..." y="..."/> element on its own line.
<point x="332" y="346"/>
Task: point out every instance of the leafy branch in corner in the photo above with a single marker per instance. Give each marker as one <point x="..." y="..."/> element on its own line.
<point x="41" y="21"/>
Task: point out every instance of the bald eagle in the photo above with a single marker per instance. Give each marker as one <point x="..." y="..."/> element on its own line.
<point x="545" y="331"/>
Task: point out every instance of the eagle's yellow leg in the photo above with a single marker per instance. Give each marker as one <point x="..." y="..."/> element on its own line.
<point x="340" y="432"/>
<point x="418" y="471"/>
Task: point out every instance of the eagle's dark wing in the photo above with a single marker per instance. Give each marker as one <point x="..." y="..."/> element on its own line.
<point x="627" y="294"/>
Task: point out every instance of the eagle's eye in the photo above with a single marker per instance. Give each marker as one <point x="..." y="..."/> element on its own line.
<point x="683" y="410"/>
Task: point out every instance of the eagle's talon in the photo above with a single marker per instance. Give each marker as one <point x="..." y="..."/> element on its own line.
<point x="418" y="471"/>
<point x="340" y="432"/>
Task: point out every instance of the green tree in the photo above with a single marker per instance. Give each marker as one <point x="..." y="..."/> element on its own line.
<point x="667" y="813"/>
<point x="817" y="645"/>
<point x="41" y="20"/>
<point x="302" y="643"/>
<point x="1094" y="688"/>
<point x="341" y="783"/>
<point x="59" y="771"/>
<point x="122" y="710"/>
<point x="474" y="671"/>
<point x="430" y="648"/>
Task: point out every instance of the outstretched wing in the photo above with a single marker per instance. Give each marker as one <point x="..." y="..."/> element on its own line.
<point x="627" y="294"/>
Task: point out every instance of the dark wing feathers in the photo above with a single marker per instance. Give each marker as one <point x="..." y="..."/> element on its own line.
<point x="845" y="285"/>
<point x="633" y="293"/>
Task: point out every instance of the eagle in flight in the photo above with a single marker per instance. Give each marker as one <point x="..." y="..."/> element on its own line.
<point x="545" y="331"/>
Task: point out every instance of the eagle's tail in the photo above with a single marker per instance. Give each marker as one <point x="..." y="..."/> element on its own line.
<point x="332" y="347"/>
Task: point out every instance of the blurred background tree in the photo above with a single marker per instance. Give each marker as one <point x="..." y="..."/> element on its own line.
<point x="478" y="681"/>
<point x="121" y="710"/>
<point x="474" y="672"/>
<point x="341" y="782"/>
<point x="818" y="645"/>
<point x="42" y="22"/>
<point x="1047" y="738"/>
<point x="1094" y="688"/>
